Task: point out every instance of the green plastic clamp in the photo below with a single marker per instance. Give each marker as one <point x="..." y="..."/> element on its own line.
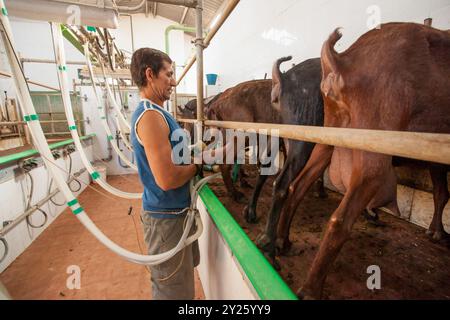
<point x="78" y="210"/>
<point x="110" y="138"/>
<point x="72" y="202"/>
<point x="31" y="117"/>
<point x="72" y="127"/>
<point x="95" y="175"/>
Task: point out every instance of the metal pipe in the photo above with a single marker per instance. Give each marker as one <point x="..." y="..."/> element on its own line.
<point x="220" y="18"/>
<point x="7" y="74"/>
<point x="187" y="120"/>
<point x="183" y="17"/>
<point x="35" y="60"/>
<point x="434" y="147"/>
<point x="54" y="11"/>
<point x="118" y="74"/>
<point x="199" y="48"/>
<point x="175" y="27"/>
<point x="126" y="8"/>
<point x="14" y="123"/>
<point x="185" y="3"/>
<point x="28" y="212"/>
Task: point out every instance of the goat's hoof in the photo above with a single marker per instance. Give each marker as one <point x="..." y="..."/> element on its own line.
<point x="249" y="215"/>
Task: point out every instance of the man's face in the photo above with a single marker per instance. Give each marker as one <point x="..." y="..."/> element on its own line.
<point x="163" y="84"/>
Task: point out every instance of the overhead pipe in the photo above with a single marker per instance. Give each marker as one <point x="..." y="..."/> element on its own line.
<point x="175" y="27"/>
<point x="183" y="17"/>
<point x="60" y="12"/>
<point x="185" y="3"/>
<point x="221" y="18"/>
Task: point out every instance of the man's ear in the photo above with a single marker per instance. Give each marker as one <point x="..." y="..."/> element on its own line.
<point x="149" y="75"/>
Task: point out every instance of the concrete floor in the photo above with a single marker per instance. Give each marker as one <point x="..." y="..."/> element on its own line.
<point x="41" y="271"/>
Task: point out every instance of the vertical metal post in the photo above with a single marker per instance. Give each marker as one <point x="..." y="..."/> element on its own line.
<point x="50" y="109"/>
<point x="199" y="52"/>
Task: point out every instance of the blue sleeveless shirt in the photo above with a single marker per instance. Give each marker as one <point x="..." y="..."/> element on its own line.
<point x="164" y="204"/>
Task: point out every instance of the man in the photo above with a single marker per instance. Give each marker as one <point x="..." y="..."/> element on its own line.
<point x="166" y="185"/>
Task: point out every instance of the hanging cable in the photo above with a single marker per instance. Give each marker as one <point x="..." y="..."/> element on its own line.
<point x="70" y="172"/>
<point x="6" y="250"/>
<point x="28" y="205"/>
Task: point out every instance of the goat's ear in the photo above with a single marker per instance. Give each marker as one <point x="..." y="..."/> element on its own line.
<point x="332" y="85"/>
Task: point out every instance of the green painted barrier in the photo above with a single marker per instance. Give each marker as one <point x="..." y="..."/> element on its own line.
<point x="266" y="281"/>
<point x="33" y="152"/>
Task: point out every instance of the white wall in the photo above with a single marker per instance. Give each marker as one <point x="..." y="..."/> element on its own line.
<point x="13" y="203"/>
<point x="260" y="31"/>
<point x="149" y="32"/>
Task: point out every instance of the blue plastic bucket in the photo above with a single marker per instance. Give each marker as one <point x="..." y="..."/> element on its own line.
<point x="211" y="78"/>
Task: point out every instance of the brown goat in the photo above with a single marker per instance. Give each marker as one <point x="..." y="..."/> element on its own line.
<point x="393" y="78"/>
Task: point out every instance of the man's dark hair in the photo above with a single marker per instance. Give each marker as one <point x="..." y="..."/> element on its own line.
<point x="146" y="58"/>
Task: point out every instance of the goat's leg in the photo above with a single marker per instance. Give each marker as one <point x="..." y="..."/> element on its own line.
<point x="228" y="181"/>
<point x="368" y="173"/>
<point x="440" y="196"/>
<point x="320" y="157"/>
<point x="250" y="209"/>
<point x="318" y="162"/>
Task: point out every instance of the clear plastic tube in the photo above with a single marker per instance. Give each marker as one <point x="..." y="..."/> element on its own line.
<point x="102" y="112"/>
<point x="64" y="84"/>
<point x="113" y="101"/>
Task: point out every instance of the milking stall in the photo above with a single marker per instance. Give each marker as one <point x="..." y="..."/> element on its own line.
<point x="315" y="146"/>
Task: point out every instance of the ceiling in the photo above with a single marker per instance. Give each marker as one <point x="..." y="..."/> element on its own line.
<point x="178" y="14"/>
